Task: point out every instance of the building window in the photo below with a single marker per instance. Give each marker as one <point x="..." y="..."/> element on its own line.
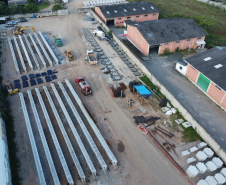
<point x="189" y="40"/>
<point x="154" y="14"/>
<point x="218" y="87"/>
<point x="166" y="44"/>
<point x="145" y="15"/>
<point x="177" y="41"/>
<point x="198" y="38"/>
<point x="137" y="16"/>
<point x="119" y="18"/>
<point x="128" y="17"/>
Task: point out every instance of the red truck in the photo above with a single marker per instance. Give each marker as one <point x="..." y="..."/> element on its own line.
<point x="84" y="86"/>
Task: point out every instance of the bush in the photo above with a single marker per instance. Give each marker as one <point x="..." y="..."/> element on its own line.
<point x="57" y="7"/>
<point x="31" y="8"/>
<point x="166" y="51"/>
<point x="177" y="49"/>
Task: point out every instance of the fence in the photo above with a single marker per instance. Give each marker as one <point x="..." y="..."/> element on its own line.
<point x="82" y="10"/>
<point x="43" y="14"/>
<point x="202" y="132"/>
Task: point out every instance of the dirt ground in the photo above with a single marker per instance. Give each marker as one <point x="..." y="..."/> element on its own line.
<point x="140" y="161"/>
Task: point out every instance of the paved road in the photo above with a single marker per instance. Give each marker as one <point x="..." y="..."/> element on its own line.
<point x="204" y="110"/>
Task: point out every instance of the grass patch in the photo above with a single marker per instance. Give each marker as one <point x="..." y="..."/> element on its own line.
<point x="190" y="135"/>
<point x="42" y="6"/>
<point x="210" y="18"/>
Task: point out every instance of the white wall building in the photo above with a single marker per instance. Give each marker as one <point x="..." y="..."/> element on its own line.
<point x="5" y="172"/>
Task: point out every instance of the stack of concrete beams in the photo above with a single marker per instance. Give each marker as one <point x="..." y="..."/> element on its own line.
<point x="66" y="138"/>
<point x="24" y="46"/>
<point x="93" y="125"/>
<point x="14" y="56"/>
<point x="84" y="129"/>
<point x="53" y="48"/>
<point x="75" y="133"/>
<point x="102" y="57"/>
<point x="83" y="148"/>
<point x="32" y="140"/>
<point x="38" y="51"/>
<point x="102" y="2"/>
<point x="55" y="140"/>
<point x="20" y="54"/>
<point x="43" y="139"/>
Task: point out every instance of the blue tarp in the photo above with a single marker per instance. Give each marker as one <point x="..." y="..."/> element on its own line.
<point x="142" y="90"/>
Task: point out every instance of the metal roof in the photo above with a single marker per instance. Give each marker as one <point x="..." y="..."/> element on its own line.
<point x="208" y="63"/>
<point x="168" y="30"/>
<point x="128" y="9"/>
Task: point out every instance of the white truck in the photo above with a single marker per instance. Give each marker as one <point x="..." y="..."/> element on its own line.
<point x="98" y="33"/>
<point x="91" y="57"/>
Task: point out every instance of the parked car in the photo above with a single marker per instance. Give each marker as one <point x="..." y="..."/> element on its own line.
<point x="23" y="20"/>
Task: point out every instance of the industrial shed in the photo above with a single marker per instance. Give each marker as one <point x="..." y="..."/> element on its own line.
<point x="137" y="11"/>
<point x="170" y="33"/>
<point x="208" y="71"/>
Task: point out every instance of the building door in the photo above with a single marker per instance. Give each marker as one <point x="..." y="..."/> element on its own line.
<point x="203" y="82"/>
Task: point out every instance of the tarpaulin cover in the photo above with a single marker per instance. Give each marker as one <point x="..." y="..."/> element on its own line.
<point x="143" y="91"/>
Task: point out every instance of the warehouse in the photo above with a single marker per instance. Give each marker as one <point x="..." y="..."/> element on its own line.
<point x="137" y="11"/>
<point x="208" y="71"/>
<point x="170" y="33"/>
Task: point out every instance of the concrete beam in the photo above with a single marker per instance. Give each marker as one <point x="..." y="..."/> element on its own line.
<point x="66" y="138"/>
<point x="55" y="140"/>
<point x="50" y="50"/>
<point x="38" y="51"/>
<point x="32" y="52"/>
<point x="93" y="125"/>
<point x="75" y="133"/>
<point x="20" y="55"/>
<point x="84" y="129"/>
<point x="32" y="140"/>
<point x="43" y="139"/>
<point x="14" y="56"/>
<point x="43" y="49"/>
<point x="25" y="51"/>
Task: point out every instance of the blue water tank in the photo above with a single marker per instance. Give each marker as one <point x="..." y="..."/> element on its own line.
<point x="33" y="15"/>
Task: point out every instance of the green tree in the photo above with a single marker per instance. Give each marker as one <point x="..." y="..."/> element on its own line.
<point x="4" y="10"/>
<point x="31" y="1"/>
<point x="31" y="8"/>
<point x="57" y="7"/>
<point x="13" y="9"/>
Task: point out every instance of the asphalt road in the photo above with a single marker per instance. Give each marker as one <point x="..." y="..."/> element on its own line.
<point x="201" y="107"/>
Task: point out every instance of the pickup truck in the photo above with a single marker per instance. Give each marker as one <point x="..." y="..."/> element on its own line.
<point x="91" y="57"/>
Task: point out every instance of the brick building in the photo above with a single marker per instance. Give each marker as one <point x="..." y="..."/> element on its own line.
<point x="137" y="11"/>
<point x="208" y="71"/>
<point x="165" y="33"/>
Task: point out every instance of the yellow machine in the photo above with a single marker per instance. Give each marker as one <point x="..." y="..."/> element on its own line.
<point x="14" y="91"/>
<point x="19" y="29"/>
<point x="69" y="55"/>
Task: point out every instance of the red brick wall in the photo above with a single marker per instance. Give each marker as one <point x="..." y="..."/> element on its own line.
<point x="119" y="21"/>
<point x="215" y="93"/>
<point x="184" y="44"/>
<point x="223" y="103"/>
<point x="100" y="14"/>
<point x="135" y="36"/>
<point x="192" y="73"/>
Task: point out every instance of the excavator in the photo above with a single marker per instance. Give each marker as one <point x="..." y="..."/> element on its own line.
<point x="68" y="53"/>
<point x="19" y="29"/>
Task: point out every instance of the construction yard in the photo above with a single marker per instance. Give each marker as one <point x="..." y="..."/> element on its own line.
<point x="139" y="160"/>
